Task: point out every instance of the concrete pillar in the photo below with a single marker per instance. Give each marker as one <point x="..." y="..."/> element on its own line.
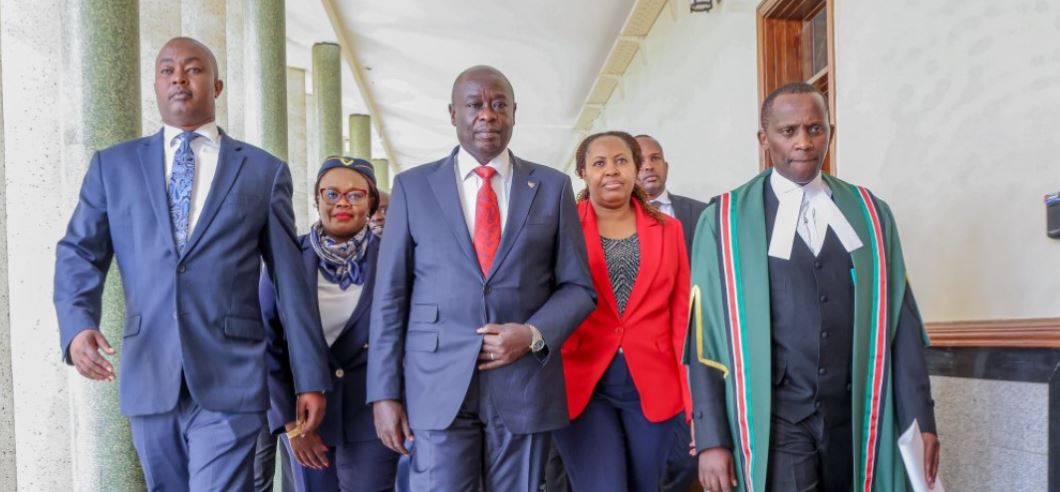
<point x="102" y="70"/>
<point x="31" y="44"/>
<point x="382" y="173"/>
<point x="204" y="20"/>
<point x="160" y="21"/>
<point x="235" y="89"/>
<point x="313" y="158"/>
<point x="360" y="136"/>
<point x="327" y="88"/>
<point x="296" y="144"/>
<point x="265" y="78"/>
<point x="8" y="474"/>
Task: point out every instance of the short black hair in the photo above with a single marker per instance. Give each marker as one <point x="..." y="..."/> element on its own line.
<point x="789" y="88"/>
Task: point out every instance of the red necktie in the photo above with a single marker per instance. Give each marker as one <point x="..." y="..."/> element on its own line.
<point x="487" y="220"/>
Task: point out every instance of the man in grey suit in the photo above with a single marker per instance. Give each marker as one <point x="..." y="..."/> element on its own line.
<point x="482" y="275"/>
<point x="680" y="466"/>
<point x="652" y="178"/>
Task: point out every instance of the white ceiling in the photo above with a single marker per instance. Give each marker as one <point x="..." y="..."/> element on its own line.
<point x="410" y="52"/>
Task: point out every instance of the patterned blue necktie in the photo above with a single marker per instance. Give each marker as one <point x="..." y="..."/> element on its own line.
<point x="181" y="179"/>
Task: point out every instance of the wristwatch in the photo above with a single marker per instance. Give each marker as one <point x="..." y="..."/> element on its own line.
<point x="537" y="342"/>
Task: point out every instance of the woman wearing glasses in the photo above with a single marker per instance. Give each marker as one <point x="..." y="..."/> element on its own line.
<point x="339" y="256"/>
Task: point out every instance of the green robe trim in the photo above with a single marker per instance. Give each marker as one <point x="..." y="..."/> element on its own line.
<point x="730" y="297"/>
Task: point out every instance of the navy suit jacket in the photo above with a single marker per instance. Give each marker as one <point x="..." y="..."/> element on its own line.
<point x="431" y="296"/>
<point x="348" y="418"/>
<point x="191" y="316"/>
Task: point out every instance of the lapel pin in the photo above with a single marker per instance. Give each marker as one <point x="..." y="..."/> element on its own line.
<point x="531" y="183"/>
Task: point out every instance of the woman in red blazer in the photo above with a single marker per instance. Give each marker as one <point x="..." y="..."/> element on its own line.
<point x="622" y="366"/>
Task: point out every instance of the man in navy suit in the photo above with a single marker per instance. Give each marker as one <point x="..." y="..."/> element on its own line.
<point x="681" y="467"/>
<point x="482" y="275"/>
<point x="189" y="213"/>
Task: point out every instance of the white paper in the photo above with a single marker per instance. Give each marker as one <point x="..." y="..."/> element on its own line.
<point x="911" y="445"/>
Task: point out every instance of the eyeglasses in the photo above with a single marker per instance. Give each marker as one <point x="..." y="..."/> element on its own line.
<point x="355" y="196"/>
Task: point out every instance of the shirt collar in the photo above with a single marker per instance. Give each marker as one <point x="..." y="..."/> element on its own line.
<point x="467" y="163"/>
<point x="663" y="198"/>
<point x="782" y="186"/>
<point x="209" y="131"/>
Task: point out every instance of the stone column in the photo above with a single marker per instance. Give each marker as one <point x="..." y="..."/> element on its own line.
<point x="327" y="88"/>
<point x="382" y="173"/>
<point x="235" y="89"/>
<point x="159" y="22"/>
<point x="312" y="155"/>
<point x="7" y="403"/>
<point x="361" y="136"/>
<point x="31" y="42"/>
<point x="102" y="72"/>
<point x="296" y="144"/>
<point x="265" y="78"/>
<point x="204" y="20"/>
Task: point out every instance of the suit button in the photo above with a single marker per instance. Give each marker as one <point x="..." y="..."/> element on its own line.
<point x="619" y="330"/>
<point x="824" y="334"/>
<point x="817" y="265"/>
<point x="697" y="415"/>
<point x="816" y="404"/>
<point x="174" y="315"/>
<point x="182" y="269"/>
<point x="848" y="386"/>
<point x="366" y="346"/>
<point x="339" y="373"/>
<point x="824" y="298"/>
<point x="487" y="289"/>
<point x="822" y="371"/>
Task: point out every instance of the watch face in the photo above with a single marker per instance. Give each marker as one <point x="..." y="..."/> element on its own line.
<point x="537" y="345"/>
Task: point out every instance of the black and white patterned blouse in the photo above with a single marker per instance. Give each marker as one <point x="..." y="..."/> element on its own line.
<point x="623" y="261"/>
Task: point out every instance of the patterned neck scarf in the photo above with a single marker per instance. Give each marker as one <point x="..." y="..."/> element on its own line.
<point x="341" y="263"/>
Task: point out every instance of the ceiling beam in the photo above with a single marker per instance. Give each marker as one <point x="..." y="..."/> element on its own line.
<point x="358" y="75"/>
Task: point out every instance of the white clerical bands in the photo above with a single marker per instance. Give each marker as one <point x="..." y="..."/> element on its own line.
<point x="793" y="200"/>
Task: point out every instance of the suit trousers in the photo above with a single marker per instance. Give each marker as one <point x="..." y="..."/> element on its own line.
<point x="477" y="452"/>
<point x="809" y="456"/>
<point x="611" y="445"/>
<point x="192" y="448"/>
<point x="366" y="466"/>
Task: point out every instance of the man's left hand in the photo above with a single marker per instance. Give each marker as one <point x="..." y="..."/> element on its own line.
<point x="310" y="410"/>
<point x="931" y="457"/>
<point x="503" y="344"/>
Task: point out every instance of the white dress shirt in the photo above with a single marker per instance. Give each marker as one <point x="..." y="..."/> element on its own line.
<point x="336" y="306"/>
<point x="207" y="149"/>
<point x="664" y="203"/>
<point x="468" y="183"/>
<point x="806" y="211"/>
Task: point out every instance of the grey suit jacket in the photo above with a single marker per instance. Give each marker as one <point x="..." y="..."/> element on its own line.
<point x="687" y="210"/>
<point x="431" y="296"/>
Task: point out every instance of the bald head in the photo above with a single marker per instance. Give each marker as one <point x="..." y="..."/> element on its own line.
<point x="481" y="72"/>
<point x="194" y="45"/>
<point x="186" y="83"/>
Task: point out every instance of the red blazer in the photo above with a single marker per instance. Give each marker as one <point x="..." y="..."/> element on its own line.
<point x="651" y="332"/>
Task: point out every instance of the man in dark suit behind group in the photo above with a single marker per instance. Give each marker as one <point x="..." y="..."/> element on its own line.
<point x="482" y="275"/>
<point x="654" y="170"/>
<point x="189" y="213"/>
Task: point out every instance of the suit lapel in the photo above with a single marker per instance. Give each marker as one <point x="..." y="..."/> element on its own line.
<point x="520" y="197"/>
<point x="152" y="154"/>
<point x="443" y="184"/>
<point x="650" y="237"/>
<point x="364" y="303"/>
<point x="597" y="261"/>
<point x="229" y="162"/>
